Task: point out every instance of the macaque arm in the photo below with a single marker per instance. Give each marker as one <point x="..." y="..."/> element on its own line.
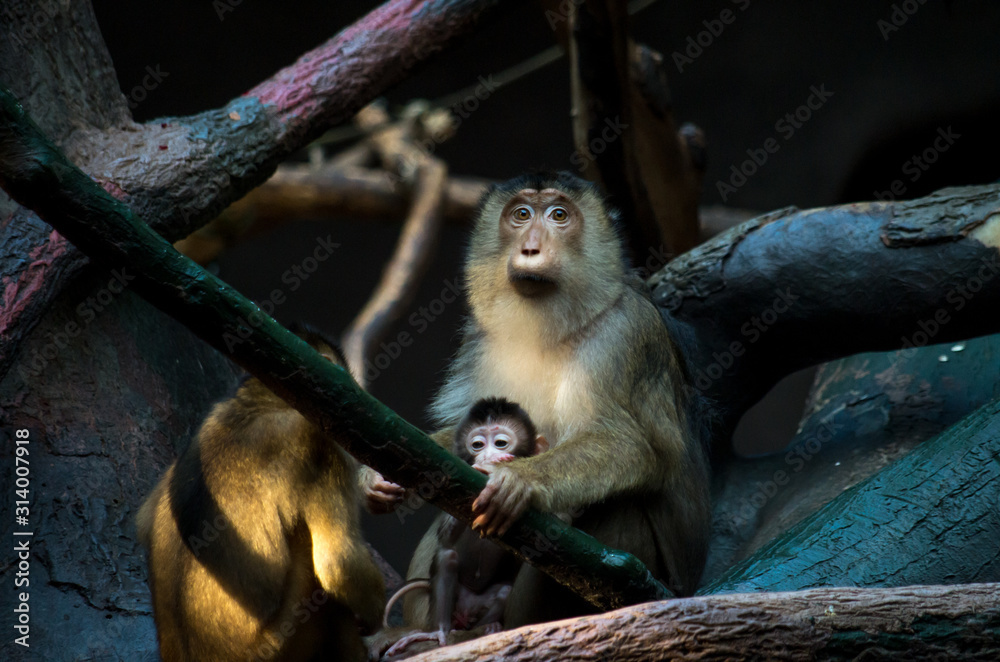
<point x="445" y="437"/>
<point x="344" y="567"/>
<point x="445" y="588"/>
<point x="608" y="457"/>
<point x="417" y="604"/>
<point x="380" y="495"/>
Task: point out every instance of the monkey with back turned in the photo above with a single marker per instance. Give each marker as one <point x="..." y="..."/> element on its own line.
<point x="471" y="577"/>
<point x="560" y="326"/>
<point x="253" y="539"/>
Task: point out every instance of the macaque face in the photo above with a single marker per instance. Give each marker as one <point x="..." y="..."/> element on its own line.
<point x="495" y="442"/>
<point x="538" y="227"/>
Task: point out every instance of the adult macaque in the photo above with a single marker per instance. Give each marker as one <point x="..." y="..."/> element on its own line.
<point x="471" y="576"/>
<point x="253" y="539"/>
<point x="560" y="326"/>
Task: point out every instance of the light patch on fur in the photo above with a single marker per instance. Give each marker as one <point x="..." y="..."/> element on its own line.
<point x="545" y="381"/>
<point x="989" y="232"/>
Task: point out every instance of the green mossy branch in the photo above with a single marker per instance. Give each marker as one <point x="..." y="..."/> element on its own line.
<point x="38" y="176"/>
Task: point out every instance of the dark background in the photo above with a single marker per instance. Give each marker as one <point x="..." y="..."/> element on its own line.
<point x="893" y="90"/>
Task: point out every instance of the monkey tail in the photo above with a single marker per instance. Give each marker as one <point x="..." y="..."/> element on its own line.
<point x="404" y="589"/>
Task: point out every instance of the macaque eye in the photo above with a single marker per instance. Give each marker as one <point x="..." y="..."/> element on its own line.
<point x="522" y="214"/>
<point x="559" y="214"/>
<point x="478" y="443"/>
<point x="501" y="441"/>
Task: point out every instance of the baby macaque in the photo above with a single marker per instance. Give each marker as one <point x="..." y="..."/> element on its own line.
<point x="471" y="576"/>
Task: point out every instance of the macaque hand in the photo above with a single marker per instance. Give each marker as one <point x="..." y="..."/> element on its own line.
<point x="488" y="467"/>
<point x="381" y="496"/>
<point x="500" y="504"/>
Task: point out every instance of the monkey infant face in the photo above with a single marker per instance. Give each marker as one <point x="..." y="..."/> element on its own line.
<point x="538" y="226"/>
<point x="488" y="445"/>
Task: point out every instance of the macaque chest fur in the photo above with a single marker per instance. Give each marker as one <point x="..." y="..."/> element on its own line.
<point x="548" y="382"/>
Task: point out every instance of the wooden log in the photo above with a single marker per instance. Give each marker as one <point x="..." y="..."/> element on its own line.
<point x="864" y="413"/>
<point x="911" y="623"/>
<point x="793" y="288"/>
<point x="929" y="518"/>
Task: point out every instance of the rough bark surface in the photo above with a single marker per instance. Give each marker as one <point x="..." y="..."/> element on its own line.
<point x="178" y="173"/>
<point x="107" y="409"/>
<point x="864" y="413"/>
<point x="830" y="282"/>
<point x="913" y="623"/>
<point x="930" y="517"/>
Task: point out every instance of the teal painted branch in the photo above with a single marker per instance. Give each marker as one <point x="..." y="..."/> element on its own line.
<point x="929" y="518"/>
<point x="37" y="175"/>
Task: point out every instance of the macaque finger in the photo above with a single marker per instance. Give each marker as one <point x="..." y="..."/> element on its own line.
<point x="387" y="488"/>
<point x="483" y="500"/>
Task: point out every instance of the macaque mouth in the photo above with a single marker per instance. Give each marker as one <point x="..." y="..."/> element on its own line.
<point x="530" y="284"/>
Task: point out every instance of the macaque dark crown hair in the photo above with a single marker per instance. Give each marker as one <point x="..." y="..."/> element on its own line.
<point x="497" y="408"/>
<point x="562" y="180"/>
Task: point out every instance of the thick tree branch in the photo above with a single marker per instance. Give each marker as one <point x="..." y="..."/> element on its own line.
<point x="177" y="173"/>
<point x="37" y="175"/>
<point x="916" y="622"/>
<point x="795" y="288"/>
<point x="904" y="525"/>
<point x="864" y="413"/>
<point x="625" y="134"/>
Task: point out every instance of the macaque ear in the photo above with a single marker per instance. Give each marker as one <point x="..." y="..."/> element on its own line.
<point x="541" y="444"/>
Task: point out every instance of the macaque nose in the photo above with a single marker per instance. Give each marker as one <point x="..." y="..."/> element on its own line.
<point x="532" y="243"/>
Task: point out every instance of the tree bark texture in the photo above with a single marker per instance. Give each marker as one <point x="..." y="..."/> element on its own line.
<point x="930" y="517"/>
<point x="625" y="134"/>
<point x="830" y="283"/>
<point x="178" y="173"/>
<point x="864" y="413"/>
<point x="912" y="623"/>
<point x="109" y="389"/>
